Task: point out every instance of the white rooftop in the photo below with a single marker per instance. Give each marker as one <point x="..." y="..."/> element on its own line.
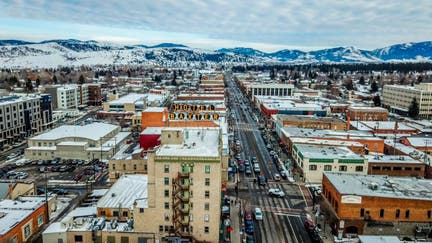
<point x="409" y="188"/>
<point x="154" y="109"/>
<point x="327" y="142"/>
<point x="327" y="152"/>
<point x="125" y="192"/>
<point x="403" y="159"/>
<point x="420" y="141"/>
<point x="93" y="131"/>
<point x="152" y="130"/>
<point x="379" y="239"/>
<point x="197" y="142"/>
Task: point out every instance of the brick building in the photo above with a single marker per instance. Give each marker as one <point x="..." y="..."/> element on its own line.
<point x="395" y="165"/>
<point x="362" y="113"/>
<point x="311" y="122"/>
<point x="375" y="204"/>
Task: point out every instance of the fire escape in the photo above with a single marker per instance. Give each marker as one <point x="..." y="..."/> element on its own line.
<point x="181" y="205"/>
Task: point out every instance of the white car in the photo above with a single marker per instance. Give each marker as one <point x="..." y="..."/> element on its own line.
<point x="276" y="192"/>
<point x="290" y="179"/>
<point x="276" y="177"/>
<point x="258" y="214"/>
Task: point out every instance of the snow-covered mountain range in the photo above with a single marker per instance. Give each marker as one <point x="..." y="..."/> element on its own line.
<point x="54" y="53"/>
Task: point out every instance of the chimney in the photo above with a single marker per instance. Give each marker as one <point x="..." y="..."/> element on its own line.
<point x="10" y="190"/>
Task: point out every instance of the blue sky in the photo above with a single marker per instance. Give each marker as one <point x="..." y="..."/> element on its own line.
<point x="263" y="24"/>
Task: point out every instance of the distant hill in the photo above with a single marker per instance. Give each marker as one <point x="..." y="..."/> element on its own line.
<point x="72" y="52"/>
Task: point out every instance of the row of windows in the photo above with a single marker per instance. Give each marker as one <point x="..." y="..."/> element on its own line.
<point x="394" y="168"/>
<point x="397" y="213"/>
<point x="358" y="168"/>
<point x="167" y="180"/>
<point x="206" y="169"/>
<point x="170" y="228"/>
<point x="124" y="166"/>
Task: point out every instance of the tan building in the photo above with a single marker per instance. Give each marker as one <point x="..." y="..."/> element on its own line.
<point x="120" y="167"/>
<point x="184" y="185"/>
<point x="398" y="98"/>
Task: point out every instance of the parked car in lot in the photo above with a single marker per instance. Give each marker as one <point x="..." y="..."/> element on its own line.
<point x="254" y="160"/>
<point x="78" y="176"/>
<point x="276" y="192"/>
<point x="262" y="180"/>
<point x="11" y="175"/>
<point x="284" y="174"/>
<point x="12" y="155"/>
<point x="276" y="177"/>
<point x="258" y="214"/>
<point x="60" y="191"/>
<point x="21" y="175"/>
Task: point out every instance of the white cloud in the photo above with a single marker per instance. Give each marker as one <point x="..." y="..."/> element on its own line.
<point x="309" y="23"/>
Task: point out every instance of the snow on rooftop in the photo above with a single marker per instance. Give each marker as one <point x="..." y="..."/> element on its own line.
<point x="93" y="131"/>
<point x="125" y="192"/>
<point x="129" y="98"/>
<point x="420" y="141"/>
<point x="409" y="188"/>
<point x="69" y="143"/>
<point x="154" y="109"/>
<point x="99" y="192"/>
<point x="328" y="152"/>
<point x="152" y="130"/>
<point x="325" y="142"/>
<point x="403" y="159"/>
<point x="197" y="142"/>
<point x="379" y="239"/>
<point x="387" y="125"/>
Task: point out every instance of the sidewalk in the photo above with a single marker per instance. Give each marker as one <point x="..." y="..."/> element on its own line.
<point x="235" y="221"/>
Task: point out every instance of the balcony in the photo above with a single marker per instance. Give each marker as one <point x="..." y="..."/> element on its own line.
<point x="184" y="209"/>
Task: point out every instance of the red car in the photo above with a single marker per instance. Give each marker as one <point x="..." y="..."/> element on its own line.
<point x="248" y="214"/>
<point x="78" y="176"/>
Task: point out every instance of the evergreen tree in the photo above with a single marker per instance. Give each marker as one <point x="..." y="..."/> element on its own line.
<point x="362" y="80"/>
<point x="54" y="79"/>
<point x="38" y="82"/>
<point x="129" y="73"/>
<point x="272" y="74"/>
<point x="29" y="85"/>
<point x="81" y="79"/>
<point x="413" y="110"/>
<point x="374" y="87"/>
<point x="377" y="100"/>
<point x="349" y="84"/>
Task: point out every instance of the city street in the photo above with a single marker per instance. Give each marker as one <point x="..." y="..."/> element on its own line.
<point x="283" y="218"/>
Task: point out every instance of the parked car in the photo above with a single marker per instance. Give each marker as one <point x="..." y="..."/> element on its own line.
<point x="284" y="174"/>
<point x="276" y="177"/>
<point x="256" y="168"/>
<point x="258" y="214"/>
<point x="246" y="162"/>
<point x="12" y="155"/>
<point x="11" y="175"/>
<point x="63" y="168"/>
<point x="78" y="176"/>
<point x="241" y="168"/>
<point x="276" y="192"/>
<point x="21" y="175"/>
<point x="290" y="179"/>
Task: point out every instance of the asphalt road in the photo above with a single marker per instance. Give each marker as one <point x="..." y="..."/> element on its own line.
<point x="283" y="218"/>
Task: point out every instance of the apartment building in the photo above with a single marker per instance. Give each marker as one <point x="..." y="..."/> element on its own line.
<point x="362" y="113"/>
<point x="73" y="96"/>
<point x="398" y="98"/>
<point x="270" y="89"/>
<point x="23" y="116"/>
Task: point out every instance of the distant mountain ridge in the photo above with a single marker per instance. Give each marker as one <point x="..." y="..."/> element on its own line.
<point x="72" y="52"/>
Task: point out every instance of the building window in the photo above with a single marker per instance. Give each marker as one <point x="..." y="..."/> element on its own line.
<point x="166" y="168"/>
<point x="408" y="168"/>
<point x="166" y="228"/>
<point x="312" y="167"/>
<point x="27" y="231"/>
<point x="207" y="194"/>
<point x="359" y="168"/>
<point x="206" y="230"/>
<point x="429" y="214"/>
<point x="397" y="214"/>
<point x="343" y="168"/>
<point x="381" y="213"/>
<point x="166" y="205"/>
<point x="135" y="167"/>
<point x="141" y="210"/>
<point x="407" y="212"/>
<point x="113" y="166"/>
<point x="166" y="193"/>
<point x="161" y="228"/>
<point x="206" y="206"/>
<point x="40" y="220"/>
<point x="327" y="167"/>
<point x="124" y="167"/>
<point x="207" y="169"/>
<point x="417" y="168"/>
<point x="207" y="181"/>
<point x="78" y="238"/>
<point x="115" y="213"/>
<point x="166" y="180"/>
<point x="206" y="218"/>
<point x="397" y="168"/>
<point x="362" y="212"/>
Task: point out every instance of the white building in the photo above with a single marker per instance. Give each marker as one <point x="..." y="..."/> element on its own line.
<point x="271" y="89"/>
<point x="95" y="140"/>
<point x="398" y="98"/>
<point x="315" y="160"/>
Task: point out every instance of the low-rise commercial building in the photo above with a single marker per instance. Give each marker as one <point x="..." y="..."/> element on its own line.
<point x="375" y="204"/>
<point x="395" y="165"/>
<point x="363" y="113"/>
<point x="95" y="140"/>
<point x="315" y="160"/>
<point x="311" y="122"/>
<point x="270" y="89"/>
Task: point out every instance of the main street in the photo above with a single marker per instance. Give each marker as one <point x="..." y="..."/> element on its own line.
<point x="283" y="218"/>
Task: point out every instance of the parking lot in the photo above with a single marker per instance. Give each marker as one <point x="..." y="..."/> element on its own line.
<point x="56" y="169"/>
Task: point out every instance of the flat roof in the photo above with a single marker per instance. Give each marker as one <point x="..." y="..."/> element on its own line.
<point x="310" y="132"/>
<point x="129" y="98"/>
<point x="420" y="141"/>
<point x="387" y="125"/>
<point x="289" y="105"/>
<point x="403" y="159"/>
<point x="368" y="108"/>
<point x="152" y="130"/>
<point x="125" y="191"/>
<point x="197" y="142"/>
<point x="92" y="131"/>
<point x="328" y="142"/>
<point x="154" y="109"/>
<point x="379" y="239"/>
<point x="409" y="188"/>
<point x="309" y="118"/>
<point x="68" y="143"/>
<point x="326" y="152"/>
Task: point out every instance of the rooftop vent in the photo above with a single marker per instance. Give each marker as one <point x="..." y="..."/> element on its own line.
<point x="113" y="194"/>
<point x="373" y="186"/>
